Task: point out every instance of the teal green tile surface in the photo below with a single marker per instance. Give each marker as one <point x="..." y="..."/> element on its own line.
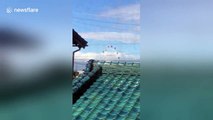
<point x="114" y="96"/>
<point x="79" y="81"/>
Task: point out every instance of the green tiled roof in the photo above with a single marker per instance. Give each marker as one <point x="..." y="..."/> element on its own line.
<point x="120" y="68"/>
<point x="114" y="95"/>
<point x="78" y="82"/>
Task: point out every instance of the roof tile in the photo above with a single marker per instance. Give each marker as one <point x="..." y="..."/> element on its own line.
<point x="112" y="96"/>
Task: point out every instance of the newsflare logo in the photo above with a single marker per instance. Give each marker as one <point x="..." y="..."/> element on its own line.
<point x="10" y="10"/>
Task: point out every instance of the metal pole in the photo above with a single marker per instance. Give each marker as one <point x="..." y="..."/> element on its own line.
<point x="73" y="56"/>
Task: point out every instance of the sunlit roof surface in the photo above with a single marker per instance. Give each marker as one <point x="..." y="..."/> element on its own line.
<point x="114" y="95"/>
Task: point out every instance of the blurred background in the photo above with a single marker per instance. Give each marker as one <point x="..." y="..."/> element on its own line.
<point x="176" y="53"/>
<point x="176" y="56"/>
<point x="35" y="60"/>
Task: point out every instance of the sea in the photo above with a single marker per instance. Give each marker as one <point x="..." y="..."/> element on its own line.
<point x="79" y="65"/>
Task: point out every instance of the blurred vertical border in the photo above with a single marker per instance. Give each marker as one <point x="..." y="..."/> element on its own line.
<point x="176" y="56"/>
<point x="35" y="60"/>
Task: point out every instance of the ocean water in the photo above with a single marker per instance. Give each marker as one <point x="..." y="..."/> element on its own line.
<point x="80" y="64"/>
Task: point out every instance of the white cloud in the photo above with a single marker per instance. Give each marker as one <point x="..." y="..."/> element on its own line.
<point x="106" y="56"/>
<point x="124" y="13"/>
<point x="124" y="37"/>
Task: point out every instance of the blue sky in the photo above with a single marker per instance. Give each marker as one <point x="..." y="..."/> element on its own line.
<point x="104" y="23"/>
<point x="171" y="29"/>
<point x="168" y="26"/>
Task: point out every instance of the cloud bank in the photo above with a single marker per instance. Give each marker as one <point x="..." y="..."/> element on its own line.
<point x="124" y="37"/>
<point x="124" y="13"/>
<point x="106" y="56"/>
